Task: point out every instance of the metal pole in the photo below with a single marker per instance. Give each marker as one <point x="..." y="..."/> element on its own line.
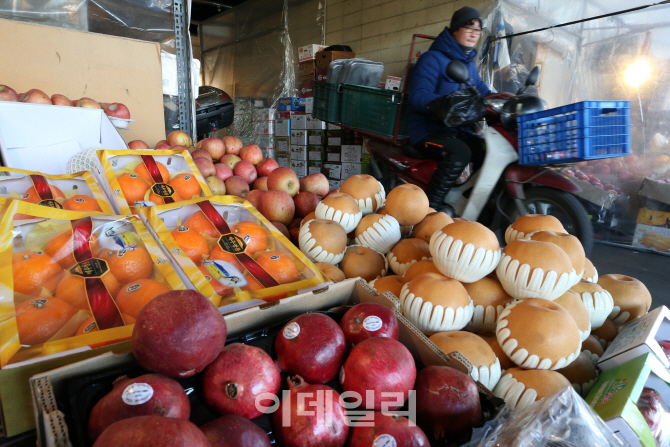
<point x="181" y="24"/>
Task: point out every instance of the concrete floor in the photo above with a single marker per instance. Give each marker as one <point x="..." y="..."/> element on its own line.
<point x="650" y="268"/>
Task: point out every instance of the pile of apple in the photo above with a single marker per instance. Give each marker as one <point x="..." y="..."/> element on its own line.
<point x="35" y="96"/>
<point x="180" y="334"/>
<point x="624" y="168"/>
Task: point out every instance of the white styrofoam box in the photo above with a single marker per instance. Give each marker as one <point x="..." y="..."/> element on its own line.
<point x="334" y="141"/>
<point x="349" y="169"/>
<point x="265" y="114"/>
<point x="283" y="128"/>
<point x="393" y="83"/>
<point x="282" y="161"/>
<point x="308" y="52"/>
<point x="639" y="337"/>
<point x="309" y="105"/>
<point x="334" y="184"/>
<point x="266" y="141"/>
<point x="334" y="157"/>
<point x="299" y="167"/>
<point x="264" y="128"/>
<point x="352" y="153"/>
<point x="42" y="138"/>
<point x="334" y="170"/>
<point x="299" y="137"/>
<point x="314" y="123"/>
<point x="283" y="145"/>
<point x="299" y="122"/>
<point x="298" y="153"/>
<point x="169" y="70"/>
<point x="332" y="126"/>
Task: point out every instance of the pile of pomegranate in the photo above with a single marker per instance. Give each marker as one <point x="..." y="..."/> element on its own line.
<point x="180" y="334"/>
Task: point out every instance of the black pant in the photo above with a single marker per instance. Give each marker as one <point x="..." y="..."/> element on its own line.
<point x="453" y="152"/>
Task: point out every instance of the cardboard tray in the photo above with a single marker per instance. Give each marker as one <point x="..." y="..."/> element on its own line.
<point x="654" y="190"/>
<point x="51" y="390"/>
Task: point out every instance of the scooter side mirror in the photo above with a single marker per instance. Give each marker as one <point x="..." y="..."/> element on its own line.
<point x="458" y="71"/>
<point x="533" y="76"/>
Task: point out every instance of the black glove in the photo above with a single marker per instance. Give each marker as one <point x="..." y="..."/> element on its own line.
<point x="460" y="108"/>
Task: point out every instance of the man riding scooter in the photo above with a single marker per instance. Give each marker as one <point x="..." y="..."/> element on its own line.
<point x="453" y="147"/>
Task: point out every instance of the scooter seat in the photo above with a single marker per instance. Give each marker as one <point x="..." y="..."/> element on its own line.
<point x="409" y="151"/>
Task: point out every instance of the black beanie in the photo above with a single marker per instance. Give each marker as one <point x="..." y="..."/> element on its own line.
<point x="463" y="16"/>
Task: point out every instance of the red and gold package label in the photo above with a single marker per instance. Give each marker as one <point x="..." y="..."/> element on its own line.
<point x="163" y="190"/>
<point x="92" y="268"/>
<point x="232" y="244"/>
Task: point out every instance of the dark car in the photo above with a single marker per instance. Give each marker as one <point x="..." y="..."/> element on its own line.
<point x="214" y="110"/>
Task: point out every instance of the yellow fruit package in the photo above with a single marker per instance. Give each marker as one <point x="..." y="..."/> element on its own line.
<point x="73" y="279"/>
<point x="230" y="252"/>
<point x="141" y="178"/>
<point x="74" y="192"/>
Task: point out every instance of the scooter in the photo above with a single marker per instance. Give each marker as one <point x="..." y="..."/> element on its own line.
<point x="501" y="190"/>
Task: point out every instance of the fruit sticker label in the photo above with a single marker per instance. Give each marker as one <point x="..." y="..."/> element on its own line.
<point x="291" y="331"/>
<point x="163" y="190"/>
<point x="137" y="393"/>
<point x="91" y="268"/>
<point x="384" y="441"/>
<point x="232" y="244"/>
<point x="372" y="323"/>
<point x="51" y="204"/>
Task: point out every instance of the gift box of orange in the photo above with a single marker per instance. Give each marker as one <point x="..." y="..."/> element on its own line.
<point x="141" y="178"/>
<point x="73" y="279"/>
<point x="74" y="192"/>
<point x="230" y="252"/>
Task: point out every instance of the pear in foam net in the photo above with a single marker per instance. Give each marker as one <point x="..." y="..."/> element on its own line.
<point x="405" y="230"/>
<point x="340" y="208"/>
<point x="408" y="204"/>
<point x="364" y="262"/>
<point x="592" y="348"/>
<point x="430" y="224"/>
<point x="323" y="241"/>
<point x="533" y="269"/>
<point x="572" y="302"/>
<point x="531" y="223"/>
<point x="570" y="245"/>
<point x="407" y="252"/>
<point x="590" y="271"/>
<point x="489" y="300"/>
<point x="631" y="298"/>
<point x="538" y="334"/>
<point x="486" y="366"/>
<point x="378" y="232"/>
<point x="391" y="283"/>
<point x="368" y="192"/>
<point x="597" y="300"/>
<point x="520" y="388"/>
<point x="435" y="303"/>
<point x="465" y="251"/>
<point x="581" y="373"/>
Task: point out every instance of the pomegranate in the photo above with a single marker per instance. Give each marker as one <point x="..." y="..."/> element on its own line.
<point x="311" y="345"/>
<point x="142" y="431"/>
<point x="367" y="320"/>
<point x="178" y="334"/>
<point x="235" y="431"/>
<point x="379" y="365"/>
<point x="310" y="416"/>
<point x="150" y="394"/>
<point x="388" y="430"/>
<point x="239" y="374"/>
<point x="447" y="401"/>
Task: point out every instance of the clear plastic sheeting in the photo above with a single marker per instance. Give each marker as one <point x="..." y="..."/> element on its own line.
<point x="250" y="52"/>
<point x="563" y="419"/>
<point x="622" y="57"/>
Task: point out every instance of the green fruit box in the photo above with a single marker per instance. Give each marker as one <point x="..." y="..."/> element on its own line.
<point x="615" y="396"/>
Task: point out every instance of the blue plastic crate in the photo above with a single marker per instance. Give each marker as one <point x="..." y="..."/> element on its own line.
<point x="585" y="130"/>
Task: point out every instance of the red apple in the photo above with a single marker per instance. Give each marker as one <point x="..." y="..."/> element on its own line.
<point x="277" y="206"/>
<point x="245" y="170"/>
<point x="252" y="154"/>
<point x="284" y="179"/>
<point x="217" y="185"/>
<point x="88" y="103"/>
<point x="588" y="169"/>
<point x="117" y="110"/>
<point x="8" y="94"/>
<point x="266" y="166"/>
<point x="162" y="146"/>
<point x="602" y="169"/>
<point x="316" y="183"/>
<point x="34" y="96"/>
<point x="237" y="186"/>
<point x="201" y="153"/>
<point x="569" y="172"/>
<point x="138" y="144"/>
<point x="295" y="235"/>
<point x="254" y="197"/>
<point x="206" y="167"/>
<point x="178" y="148"/>
<point x="179" y="138"/>
<point x="233" y="145"/>
<point x="214" y="146"/>
<point x="295" y="223"/>
<point x="60" y="100"/>
<point x="261" y="183"/>
<point x="162" y="142"/>
<point x="230" y="160"/>
<point x="305" y="203"/>
<point x="282" y="229"/>
<point x="223" y="171"/>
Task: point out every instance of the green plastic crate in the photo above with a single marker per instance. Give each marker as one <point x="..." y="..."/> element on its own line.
<point x="327" y="101"/>
<point x="373" y="109"/>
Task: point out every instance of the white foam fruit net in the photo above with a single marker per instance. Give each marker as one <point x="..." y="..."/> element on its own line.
<point x="85" y="160"/>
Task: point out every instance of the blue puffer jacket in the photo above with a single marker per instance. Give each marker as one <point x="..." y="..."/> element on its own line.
<point x="430" y="81"/>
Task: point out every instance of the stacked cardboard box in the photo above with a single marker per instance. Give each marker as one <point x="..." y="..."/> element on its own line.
<point x="344" y="149"/>
<point x="264" y="123"/>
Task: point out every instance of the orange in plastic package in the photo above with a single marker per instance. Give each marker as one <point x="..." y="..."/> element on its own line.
<point x="143" y="178"/>
<point x="245" y="256"/>
<point x="74" y="192"/>
<point x="73" y="279"/>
